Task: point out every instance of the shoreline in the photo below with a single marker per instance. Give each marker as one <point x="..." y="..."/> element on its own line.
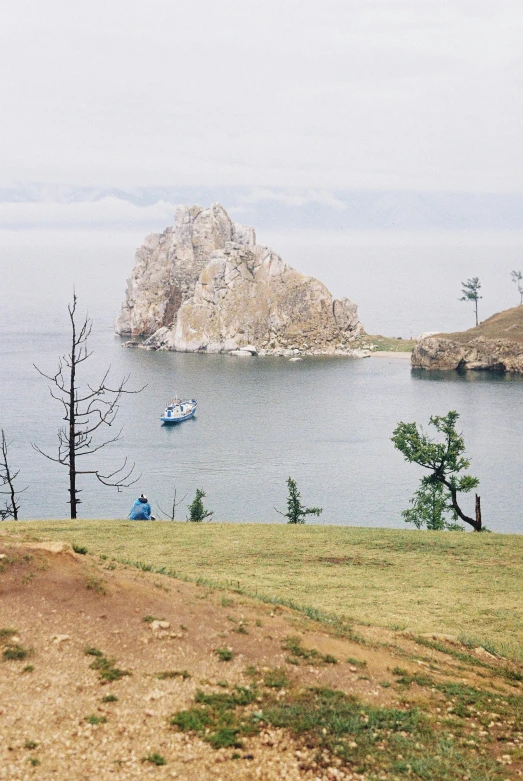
<point x="391" y="354"/>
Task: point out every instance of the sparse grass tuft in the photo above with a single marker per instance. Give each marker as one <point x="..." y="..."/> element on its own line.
<point x="96" y="584"/>
<point x="356" y="662"/>
<point x="30" y="744"/>
<point x="90" y="651"/>
<point x="5" y="634"/>
<point x="14" y="653"/>
<point x="276" y="679"/>
<point x="80" y="549"/>
<point x="34" y="761"/>
<point x="166" y="674"/>
<point x="92" y="719"/>
<point x="110" y="698"/>
<point x="28" y="668"/>
<point x="105" y="666"/>
<point x="155" y="759"/>
<point x="293" y="644"/>
<point x="224" y="654"/>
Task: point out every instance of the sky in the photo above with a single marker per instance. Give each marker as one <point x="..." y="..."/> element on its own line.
<point x="353" y="95"/>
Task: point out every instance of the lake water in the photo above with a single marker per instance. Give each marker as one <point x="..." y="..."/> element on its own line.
<point x="325" y="422"/>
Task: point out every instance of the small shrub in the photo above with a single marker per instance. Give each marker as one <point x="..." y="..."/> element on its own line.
<point x="241" y="629"/>
<point x="149" y="619"/>
<point x="197" y="512"/>
<point x="5" y="634"/>
<point x="34" y="761"/>
<point x="28" y="668"/>
<point x="155" y="759"/>
<point x="224" y="654"/>
<point x="30" y="744"/>
<point x="110" y="698"/>
<point x="79" y="549"/>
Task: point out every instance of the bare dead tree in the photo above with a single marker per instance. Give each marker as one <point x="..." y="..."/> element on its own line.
<point x="7" y="484"/>
<point x="170" y="515"/>
<point x="86" y="412"/>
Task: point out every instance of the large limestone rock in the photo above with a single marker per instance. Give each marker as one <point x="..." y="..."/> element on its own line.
<point x="168" y="265"/>
<point x="207" y="286"/>
<point x="495" y="345"/>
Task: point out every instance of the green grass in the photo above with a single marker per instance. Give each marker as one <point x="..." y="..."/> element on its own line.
<point x="14" y="653"/>
<point x="155" y="759"/>
<point x="105" y="666"/>
<point x="224" y="654"/>
<point x="95" y="720"/>
<point x="372" y="740"/>
<point x="444" y="582"/>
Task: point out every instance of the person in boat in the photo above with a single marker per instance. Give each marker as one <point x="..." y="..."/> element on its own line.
<point x="141" y="510"/>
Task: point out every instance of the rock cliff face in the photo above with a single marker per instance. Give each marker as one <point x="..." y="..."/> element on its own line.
<point x="495" y="345"/>
<point x="205" y="285"/>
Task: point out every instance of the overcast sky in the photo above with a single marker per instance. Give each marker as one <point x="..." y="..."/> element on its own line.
<point x="408" y="95"/>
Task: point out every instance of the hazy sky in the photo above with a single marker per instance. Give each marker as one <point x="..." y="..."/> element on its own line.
<point x="411" y="95"/>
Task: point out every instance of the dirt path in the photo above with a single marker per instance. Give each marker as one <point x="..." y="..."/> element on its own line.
<point x="98" y="658"/>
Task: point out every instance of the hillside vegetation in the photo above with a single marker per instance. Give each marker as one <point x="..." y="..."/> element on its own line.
<point x="466" y="585"/>
<point x="113" y="671"/>
<point x="502" y="325"/>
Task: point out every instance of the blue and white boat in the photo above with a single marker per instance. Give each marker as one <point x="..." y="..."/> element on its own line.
<point x="179" y="410"/>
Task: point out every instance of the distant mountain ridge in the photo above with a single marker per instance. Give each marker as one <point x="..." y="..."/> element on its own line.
<point x="291" y="208"/>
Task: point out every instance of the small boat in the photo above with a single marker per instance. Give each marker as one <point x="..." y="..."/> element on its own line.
<point x="179" y="410"/>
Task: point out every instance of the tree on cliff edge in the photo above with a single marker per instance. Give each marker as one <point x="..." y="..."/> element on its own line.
<point x="470" y="292"/>
<point x="87" y="411"/>
<point x="444" y="459"/>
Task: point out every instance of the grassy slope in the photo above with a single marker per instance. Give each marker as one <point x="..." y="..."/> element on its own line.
<point x="457" y="583"/>
<point x="503" y="325"/>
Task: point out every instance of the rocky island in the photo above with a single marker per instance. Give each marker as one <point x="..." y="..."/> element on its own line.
<point x="205" y="285"/>
<point x="494" y="345"/>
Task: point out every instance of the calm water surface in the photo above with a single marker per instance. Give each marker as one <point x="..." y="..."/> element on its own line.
<point x="325" y="422"/>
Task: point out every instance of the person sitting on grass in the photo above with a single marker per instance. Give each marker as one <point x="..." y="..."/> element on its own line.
<point x="141" y="510"/>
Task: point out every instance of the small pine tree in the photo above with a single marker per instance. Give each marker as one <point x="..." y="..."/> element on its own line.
<point x="296" y="511"/>
<point x="197" y="512"/>
<point x="470" y="292"/>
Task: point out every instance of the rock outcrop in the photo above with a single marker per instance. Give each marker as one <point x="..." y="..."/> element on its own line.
<point x="205" y="285"/>
<point x="495" y="345"/>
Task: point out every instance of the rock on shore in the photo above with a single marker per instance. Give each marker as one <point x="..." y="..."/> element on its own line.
<point x="495" y="345"/>
<point x="205" y="285"/>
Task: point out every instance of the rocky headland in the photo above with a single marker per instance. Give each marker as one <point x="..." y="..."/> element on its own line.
<point x="205" y="285"/>
<point x="494" y="345"/>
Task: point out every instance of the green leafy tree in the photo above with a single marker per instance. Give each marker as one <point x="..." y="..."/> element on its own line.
<point x="517" y="278"/>
<point x="470" y="292"/>
<point x="197" y="511"/>
<point x="296" y="511"/>
<point x="445" y="459"/>
<point x="431" y="504"/>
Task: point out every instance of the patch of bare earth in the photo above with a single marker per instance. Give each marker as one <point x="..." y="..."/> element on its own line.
<point x="98" y="658"/>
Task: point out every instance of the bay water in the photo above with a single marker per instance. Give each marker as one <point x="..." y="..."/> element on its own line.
<point x="326" y="422"/>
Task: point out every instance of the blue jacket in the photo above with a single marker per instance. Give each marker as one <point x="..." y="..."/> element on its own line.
<point x="141" y="511"/>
